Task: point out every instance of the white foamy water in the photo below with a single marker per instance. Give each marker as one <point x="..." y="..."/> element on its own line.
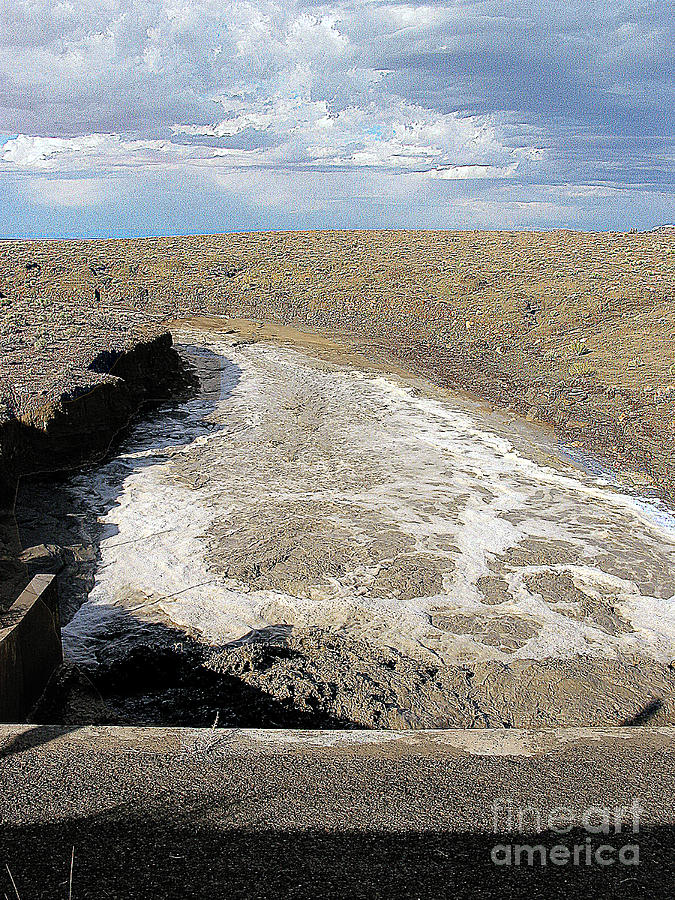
<point x="283" y="492"/>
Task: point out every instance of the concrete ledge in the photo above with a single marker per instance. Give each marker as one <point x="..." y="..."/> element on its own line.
<point x="30" y="648"/>
<point x="305" y="814"/>
<point x="391" y="745"/>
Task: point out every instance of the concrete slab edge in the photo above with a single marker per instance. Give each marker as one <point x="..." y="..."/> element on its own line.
<point x="386" y="744"/>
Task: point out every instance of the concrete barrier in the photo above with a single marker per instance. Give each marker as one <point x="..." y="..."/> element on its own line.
<point x="256" y="814"/>
<point x="30" y="648"/>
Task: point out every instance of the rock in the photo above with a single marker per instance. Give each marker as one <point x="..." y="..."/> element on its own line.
<point x="43" y="558"/>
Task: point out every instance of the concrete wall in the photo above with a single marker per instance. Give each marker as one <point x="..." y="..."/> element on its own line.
<point x="259" y="814"/>
<point x="30" y="648"/>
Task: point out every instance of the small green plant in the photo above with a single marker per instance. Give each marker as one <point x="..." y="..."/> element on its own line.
<point x="581" y="370"/>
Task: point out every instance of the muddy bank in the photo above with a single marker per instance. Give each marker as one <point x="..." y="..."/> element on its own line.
<point x="316" y="679"/>
<point x="63" y="424"/>
<point x="65" y="431"/>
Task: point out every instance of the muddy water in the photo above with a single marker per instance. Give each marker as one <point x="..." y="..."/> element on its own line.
<point x="360" y="546"/>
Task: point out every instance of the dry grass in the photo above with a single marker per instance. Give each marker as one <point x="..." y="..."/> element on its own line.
<point x="574" y="329"/>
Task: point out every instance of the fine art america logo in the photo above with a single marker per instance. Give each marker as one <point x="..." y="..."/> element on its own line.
<point x="584" y="835"/>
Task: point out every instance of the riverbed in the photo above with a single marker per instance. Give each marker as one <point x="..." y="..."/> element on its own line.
<point x="354" y="543"/>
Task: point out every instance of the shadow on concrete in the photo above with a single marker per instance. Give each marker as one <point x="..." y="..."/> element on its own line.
<point x="30" y="740"/>
<point x="187" y="850"/>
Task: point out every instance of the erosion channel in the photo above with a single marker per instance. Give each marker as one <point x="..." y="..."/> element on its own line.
<point x="308" y="542"/>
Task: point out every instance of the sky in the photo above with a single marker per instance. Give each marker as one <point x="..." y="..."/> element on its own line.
<point x="142" y="117"/>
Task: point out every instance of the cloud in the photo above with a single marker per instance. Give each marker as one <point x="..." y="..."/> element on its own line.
<point x="296" y="133"/>
<point x="304" y="74"/>
<point x="69" y="193"/>
<point x="477" y="91"/>
<point x="458" y="173"/>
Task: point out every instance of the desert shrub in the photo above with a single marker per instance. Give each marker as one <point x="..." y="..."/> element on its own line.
<point x="581" y="370"/>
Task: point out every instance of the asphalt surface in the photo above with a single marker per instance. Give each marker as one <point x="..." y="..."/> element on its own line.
<point x="265" y="814"/>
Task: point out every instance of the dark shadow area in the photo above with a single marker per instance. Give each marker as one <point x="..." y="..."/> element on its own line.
<point x="153" y="674"/>
<point x="30" y="740"/>
<point x="173" y="423"/>
<point x="190" y="849"/>
<point x="646" y="714"/>
<point x="13" y="573"/>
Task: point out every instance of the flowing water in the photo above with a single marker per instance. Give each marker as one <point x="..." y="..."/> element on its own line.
<point x="296" y="495"/>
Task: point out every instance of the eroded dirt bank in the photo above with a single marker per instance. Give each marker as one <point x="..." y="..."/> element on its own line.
<point x="310" y="543"/>
<point x="65" y="407"/>
<point x="573" y="329"/>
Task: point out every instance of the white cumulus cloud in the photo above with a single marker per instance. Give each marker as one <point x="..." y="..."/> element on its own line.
<point x="474" y="91"/>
